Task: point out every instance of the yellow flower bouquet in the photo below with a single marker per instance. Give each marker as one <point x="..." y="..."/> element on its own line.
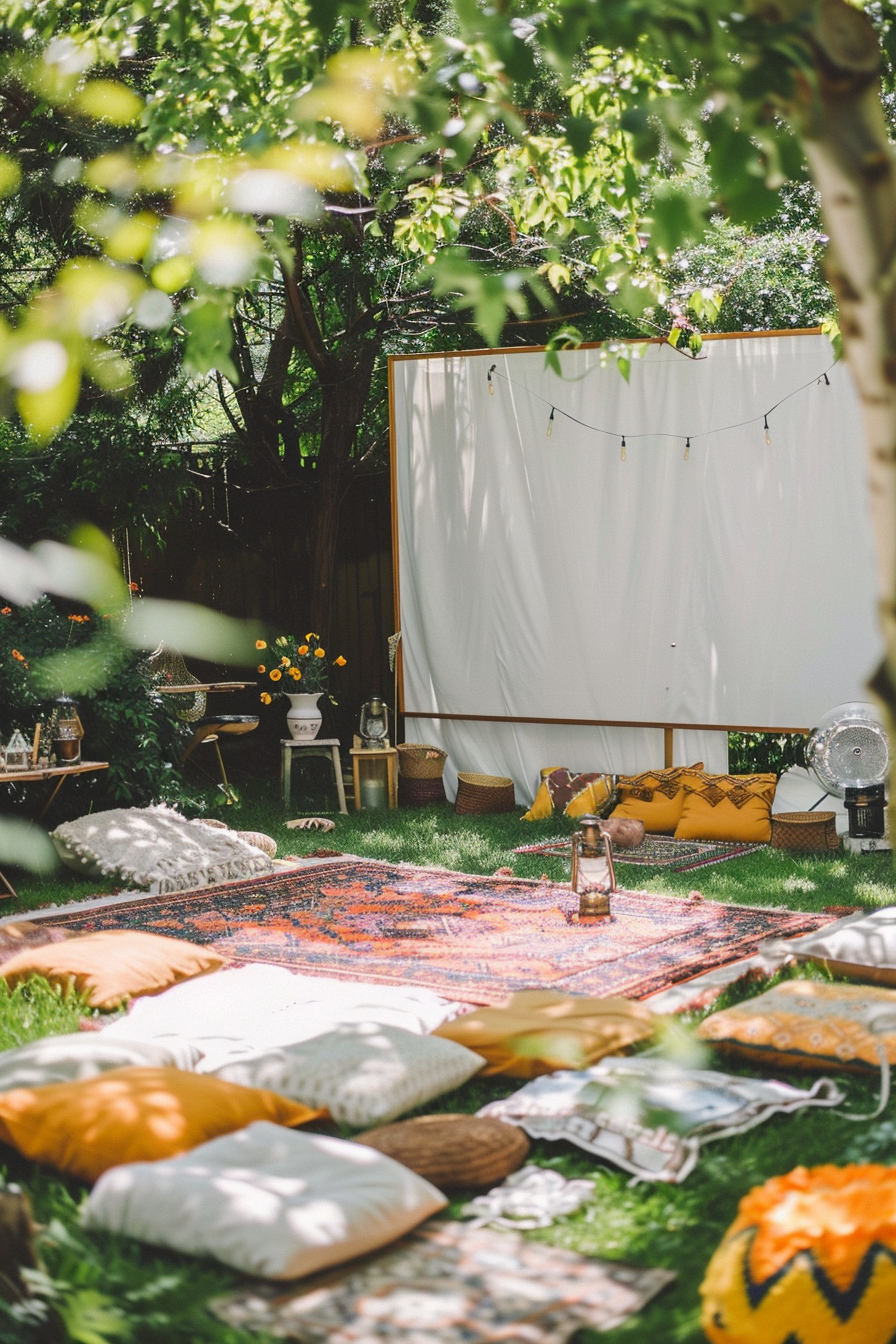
<point x="293" y="665"/>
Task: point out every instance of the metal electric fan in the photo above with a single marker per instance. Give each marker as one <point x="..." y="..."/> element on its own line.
<point x="849" y="755"/>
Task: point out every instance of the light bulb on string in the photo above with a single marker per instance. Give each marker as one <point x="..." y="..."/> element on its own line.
<point x="491" y="386"/>
<point x="622" y="450"/>
<point x="687" y="450"/>
<point x="825" y="379"/>
<point x="768" y="433"/>
<point x="551" y="423"/>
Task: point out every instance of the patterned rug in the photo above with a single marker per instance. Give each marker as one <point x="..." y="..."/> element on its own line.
<point x="658" y="851"/>
<point x="472" y="938"/>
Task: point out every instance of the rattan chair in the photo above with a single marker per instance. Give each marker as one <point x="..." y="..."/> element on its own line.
<point x="166" y="666"/>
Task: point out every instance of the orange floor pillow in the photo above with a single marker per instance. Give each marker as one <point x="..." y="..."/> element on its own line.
<point x="133" y="1115"/>
<point x="655" y="797"/>
<point x="540" y="1030"/>
<point x="727" y="807"/>
<point x="112" y="966"/>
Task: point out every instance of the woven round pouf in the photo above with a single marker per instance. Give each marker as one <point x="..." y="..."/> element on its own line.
<point x="480" y="794"/>
<point x="811" y="1256"/>
<point x="454" y="1152"/>
<point x="420" y="792"/>
<point x="805" y="832"/>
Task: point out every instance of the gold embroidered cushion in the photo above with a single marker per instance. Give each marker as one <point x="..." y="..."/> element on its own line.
<point x="809" y="1024"/>
<point x="573" y="794"/>
<point x="727" y="807"/>
<point x="654" y="797"/>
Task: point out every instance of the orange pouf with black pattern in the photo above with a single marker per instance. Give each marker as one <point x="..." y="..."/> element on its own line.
<point x="810" y="1259"/>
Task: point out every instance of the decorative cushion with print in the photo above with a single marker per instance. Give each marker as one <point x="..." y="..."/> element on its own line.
<point x="727" y="807"/>
<point x="575" y="795"/>
<point x="655" y="797"/>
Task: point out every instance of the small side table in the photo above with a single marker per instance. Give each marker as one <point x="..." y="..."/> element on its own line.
<point x="328" y="747"/>
<point x="377" y="764"/>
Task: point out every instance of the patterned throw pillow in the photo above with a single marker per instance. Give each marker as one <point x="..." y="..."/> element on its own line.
<point x="364" y="1074"/>
<point x="727" y="807"/>
<point x="655" y="797"/>
<point x="573" y="794"/>
<point x="809" y="1024"/>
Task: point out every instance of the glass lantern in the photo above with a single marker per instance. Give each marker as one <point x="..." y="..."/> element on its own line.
<point x="18" y="752"/>
<point x="374" y="726"/>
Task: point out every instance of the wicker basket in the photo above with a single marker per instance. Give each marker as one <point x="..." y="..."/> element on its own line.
<point x="420" y="792"/>
<point x="419" y="760"/>
<point x="479" y="794"/>
<point x="452" y="1151"/>
<point x="805" y="832"/>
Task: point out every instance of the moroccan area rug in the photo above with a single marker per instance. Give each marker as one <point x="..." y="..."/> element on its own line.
<point x="467" y="937"/>
<point x="658" y="851"/>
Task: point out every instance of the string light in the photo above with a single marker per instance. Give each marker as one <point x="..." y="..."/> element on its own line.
<point x="658" y="434"/>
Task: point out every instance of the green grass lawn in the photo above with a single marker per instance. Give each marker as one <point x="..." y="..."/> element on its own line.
<point x="138" y="1294"/>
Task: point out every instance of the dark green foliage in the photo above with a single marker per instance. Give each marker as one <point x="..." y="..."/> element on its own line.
<point x="125" y="721"/>
<point x="765" y="753"/>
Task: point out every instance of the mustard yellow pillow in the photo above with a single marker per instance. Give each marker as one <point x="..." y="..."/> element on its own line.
<point x="809" y="1024"/>
<point x="133" y="1115"/>
<point x="112" y="966"/>
<point x="573" y="794"/>
<point x="540" y="1030"/>
<point x="655" y="797"/>
<point x="727" y="807"/>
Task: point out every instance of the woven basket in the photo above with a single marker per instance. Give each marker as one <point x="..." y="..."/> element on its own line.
<point x="419" y="760"/>
<point x="454" y="1152"/>
<point x="805" y="832"/>
<point x="479" y="794"/>
<point x="420" y="792"/>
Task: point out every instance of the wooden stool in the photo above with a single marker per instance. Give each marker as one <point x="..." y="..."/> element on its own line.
<point x="328" y="747"/>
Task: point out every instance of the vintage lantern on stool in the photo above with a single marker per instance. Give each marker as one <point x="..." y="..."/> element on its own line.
<point x="374" y="726"/>
<point x="593" y="875"/>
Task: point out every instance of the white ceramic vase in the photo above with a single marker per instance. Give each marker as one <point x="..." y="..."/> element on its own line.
<point x="303" y="717"/>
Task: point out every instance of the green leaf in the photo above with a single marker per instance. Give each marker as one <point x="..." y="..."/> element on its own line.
<point x="92" y="1318"/>
<point x="677" y="217"/>
<point x="209" y="337"/>
<point x="579" y="131"/>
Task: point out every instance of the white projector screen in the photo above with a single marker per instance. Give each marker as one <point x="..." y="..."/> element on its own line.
<point x="546" y="578"/>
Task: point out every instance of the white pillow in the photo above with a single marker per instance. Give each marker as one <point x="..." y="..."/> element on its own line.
<point x="156" y="848"/>
<point x="250" y="1009"/>
<point x="84" y="1054"/>
<point x="861" y="947"/>
<point x="267" y="1200"/>
<point x="363" y="1073"/>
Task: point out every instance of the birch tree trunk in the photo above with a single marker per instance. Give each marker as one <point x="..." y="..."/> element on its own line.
<point x="845" y="138"/>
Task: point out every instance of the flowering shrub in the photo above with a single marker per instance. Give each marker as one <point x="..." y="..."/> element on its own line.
<point x="126" y="722"/>
<point x="292" y="666"/>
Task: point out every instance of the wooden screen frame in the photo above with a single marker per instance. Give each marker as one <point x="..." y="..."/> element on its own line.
<point x="667" y="727"/>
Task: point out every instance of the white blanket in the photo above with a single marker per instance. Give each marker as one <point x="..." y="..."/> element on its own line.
<point x="235" y="1014"/>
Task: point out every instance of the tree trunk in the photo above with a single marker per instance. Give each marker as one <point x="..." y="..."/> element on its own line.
<point x="342" y="404"/>
<point x="845" y="138"/>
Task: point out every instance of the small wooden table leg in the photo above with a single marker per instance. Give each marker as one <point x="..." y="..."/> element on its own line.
<point x="11" y="893"/>
<point x="340" y="788"/>
<point x="47" y="805"/>
<point x="286" y="772"/>
<point x="356" y="782"/>
<point x="392" y="776"/>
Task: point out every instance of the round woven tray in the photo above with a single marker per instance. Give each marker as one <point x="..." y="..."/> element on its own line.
<point x="479" y="794"/>
<point x="420" y="760"/>
<point x="805" y="832"/>
<point x="454" y="1152"/>
<point x="420" y="792"/>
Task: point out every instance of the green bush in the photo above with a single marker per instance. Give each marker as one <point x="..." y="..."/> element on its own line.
<point x="126" y="721"/>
